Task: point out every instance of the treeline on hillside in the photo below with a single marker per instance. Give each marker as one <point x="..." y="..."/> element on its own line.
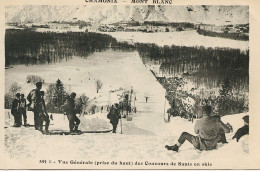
<point x="171" y="24"/>
<point x="234" y="36"/>
<point x="220" y="74"/>
<point x="30" y="47"/>
<point x="203" y="65"/>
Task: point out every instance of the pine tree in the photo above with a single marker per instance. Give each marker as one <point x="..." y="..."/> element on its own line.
<point x="59" y="94"/>
<point x="225" y="98"/>
<point x="50" y="93"/>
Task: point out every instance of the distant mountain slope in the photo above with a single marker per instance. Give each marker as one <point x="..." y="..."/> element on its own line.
<point x="219" y="15"/>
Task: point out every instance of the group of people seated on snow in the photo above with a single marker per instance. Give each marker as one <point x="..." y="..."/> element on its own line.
<point x="210" y="130"/>
<point x="38" y="106"/>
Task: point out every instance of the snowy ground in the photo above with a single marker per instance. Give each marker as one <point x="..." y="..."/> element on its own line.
<point x="143" y="138"/>
<point x="136" y="143"/>
<point x="184" y="38"/>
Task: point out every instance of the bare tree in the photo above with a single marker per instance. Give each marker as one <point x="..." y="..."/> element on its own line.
<point x="15" y="88"/>
<point x="50" y="92"/>
<point x="98" y="85"/>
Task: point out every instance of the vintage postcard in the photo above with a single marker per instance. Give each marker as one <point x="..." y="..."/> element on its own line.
<point x="134" y="84"/>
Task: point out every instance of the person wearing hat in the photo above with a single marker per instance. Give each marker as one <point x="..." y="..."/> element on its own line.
<point x="207" y="128"/>
<point x="243" y="130"/>
<point x="34" y="98"/>
<point x="71" y="113"/>
<point x="15" y="111"/>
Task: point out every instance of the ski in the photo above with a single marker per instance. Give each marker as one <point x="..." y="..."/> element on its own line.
<point x="61" y="132"/>
<point x="31" y="125"/>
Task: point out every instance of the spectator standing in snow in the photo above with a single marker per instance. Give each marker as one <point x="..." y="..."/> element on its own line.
<point x="15" y="111"/>
<point x="243" y="130"/>
<point x="207" y="128"/>
<point x="34" y="98"/>
<point x="114" y="116"/>
<point x="43" y="115"/>
<point x="22" y="109"/>
<point x="71" y="113"/>
<point x="146" y="99"/>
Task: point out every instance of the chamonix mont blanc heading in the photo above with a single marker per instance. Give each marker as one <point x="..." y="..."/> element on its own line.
<point x="132" y="1"/>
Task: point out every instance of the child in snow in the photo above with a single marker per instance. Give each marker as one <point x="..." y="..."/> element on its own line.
<point x="243" y="130"/>
<point x="207" y="128"/>
<point x="22" y="109"/>
<point x="15" y="112"/>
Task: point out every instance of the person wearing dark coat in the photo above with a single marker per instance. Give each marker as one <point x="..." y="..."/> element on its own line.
<point x="34" y="98"/>
<point x="207" y="128"/>
<point x="71" y="113"/>
<point x="22" y="109"/>
<point x="243" y="130"/>
<point x="114" y="116"/>
<point x="15" y="111"/>
<point x="43" y="115"/>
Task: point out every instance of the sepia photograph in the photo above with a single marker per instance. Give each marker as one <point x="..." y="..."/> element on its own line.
<point x="126" y="86"/>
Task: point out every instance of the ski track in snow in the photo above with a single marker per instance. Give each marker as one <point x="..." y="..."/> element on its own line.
<point x="143" y="138"/>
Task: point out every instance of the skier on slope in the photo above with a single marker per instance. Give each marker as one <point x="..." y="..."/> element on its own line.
<point x="146" y="99"/>
<point x="71" y="113"/>
<point x="114" y="116"/>
<point x="208" y="130"/>
<point x="34" y="98"/>
<point x="43" y="115"/>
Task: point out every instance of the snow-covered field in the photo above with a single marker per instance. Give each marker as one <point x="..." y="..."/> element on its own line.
<point x="184" y="38"/>
<point x="143" y="138"/>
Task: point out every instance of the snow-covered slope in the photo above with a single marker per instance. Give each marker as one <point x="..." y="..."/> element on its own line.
<point x="219" y="15"/>
<point x="143" y="138"/>
<point x="136" y="143"/>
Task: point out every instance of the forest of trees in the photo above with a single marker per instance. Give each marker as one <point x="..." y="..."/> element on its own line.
<point x="235" y="36"/>
<point x="217" y="69"/>
<point x="202" y="65"/>
<point x="30" y="47"/>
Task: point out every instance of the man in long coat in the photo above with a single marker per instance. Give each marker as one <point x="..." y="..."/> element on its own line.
<point x="114" y="116"/>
